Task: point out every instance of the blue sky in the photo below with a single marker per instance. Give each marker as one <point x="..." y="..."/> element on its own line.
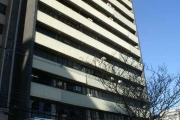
<point x="158" y="23"/>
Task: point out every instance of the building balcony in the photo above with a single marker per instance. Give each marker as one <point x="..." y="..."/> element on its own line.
<point x="127" y="3"/>
<point x="77" y="17"/>
<point x="80" y="55"/>
<point x="70" y="73"/>
<point x="53" y="23"/>
<point x="113" y="12"/>
<point x="122" y="8"/>
<point x="63" y="96"/>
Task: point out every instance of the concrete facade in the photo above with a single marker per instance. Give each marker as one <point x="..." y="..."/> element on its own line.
<point x="46" y="74"/>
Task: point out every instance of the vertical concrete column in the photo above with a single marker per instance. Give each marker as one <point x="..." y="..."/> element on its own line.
<point x="22" y="68"/>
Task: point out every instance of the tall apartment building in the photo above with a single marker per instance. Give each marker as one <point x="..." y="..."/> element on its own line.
<point x="44" y="72"/>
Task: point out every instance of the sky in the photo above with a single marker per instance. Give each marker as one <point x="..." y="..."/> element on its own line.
<point x="158" y="24"/>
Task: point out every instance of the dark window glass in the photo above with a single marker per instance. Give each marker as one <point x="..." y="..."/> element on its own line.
<point x="84" y="90"/>
<point x="65" y="40"/>
<point x="59" y="84"/>
<point x="76" y="45"/>
<point x="76" y="66"/>
<point x="41" y="8"/>
<point x="54" y="58"/>
<point x="65" y="62"/>
<point x="37" y="52"/>
<point x="77" y="89"/>
<point x="65" y="86"/>
<point x="88" y="91"/>
<point x="83" y="68"/>
<point x="70" y="63"/>
<point x="1" y="29"/>
<point x="100" y="94"/>
<point x="70" y="86"/>
<point x="2" y="9"/>
<point x="47" y="11"/>
<point x="59" y="60"/>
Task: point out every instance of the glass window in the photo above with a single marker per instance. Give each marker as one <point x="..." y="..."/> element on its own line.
<point x="84" y="90"/>
<point x="92" y="92"/>
<point x="77" y="89"/>
<point x="59" y="60"/>
<point x="2" y="9"/>
<point x="53" y="83"/>
<point x="59" y="37"/>
<point x="76" y="66"/>
<point x="100" y="94"/>
<point x="41" y="8"/>
<point x="44" y="54"/>
<point x="88" y="91"/>
<point x="53" y="109"/>
<point x="89" y="71"/>
<point x="76" y="45"/>
<point x="65" y="62"/>
<point x="54" y="58"/>
<point x="70" y="87"/>
<point x="59" y="84"/>
<point x="37" y="52"/>
<point x="47" y="11"/>
<point x="65" y="86"/>
<point x="105" y="116"/>
<point x="88" y="114"/>
<point x="83" y="69"/>
<point x="96" y="93"/>
<point x="35" y="105"/>
<point x="41" y="106"/>
<point x="70" y="63"/>
<point x="82" y="48"/>
<point x="50" y="56"/>
<point x="66" y="41"/>
<point x="1" y="29"/>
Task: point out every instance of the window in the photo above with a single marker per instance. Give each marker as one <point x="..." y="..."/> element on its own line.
<point x="83" y="68"/>
<point x="1" y="29"/>
<point x="65" y="61"/>
<point x="70" y="63"/>
<point x="84" y="90"/>
<point x="65" y="86"/>
<point x="59" y="60"/>
<point x="59" y="84"/>
<point x="2" y="9"/>
<point x="76" y="66"/>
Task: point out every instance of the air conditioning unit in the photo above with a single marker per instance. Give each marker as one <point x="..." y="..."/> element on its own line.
<point x="112" y="8"/>
<point x="109" y="4"/>
<point x="90" y="19"/>
<point x="132" y="11"/>
<point x="111" y="18"/>
<point x="77" y="88"/>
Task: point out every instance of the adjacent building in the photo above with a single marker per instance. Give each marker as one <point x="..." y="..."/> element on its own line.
<point x="173" y="114"/>
<point x="45" y="45"/>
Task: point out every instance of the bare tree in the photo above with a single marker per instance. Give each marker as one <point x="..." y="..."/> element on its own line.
<point x="163" y="90"/>
<point x="135" y="96"/>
